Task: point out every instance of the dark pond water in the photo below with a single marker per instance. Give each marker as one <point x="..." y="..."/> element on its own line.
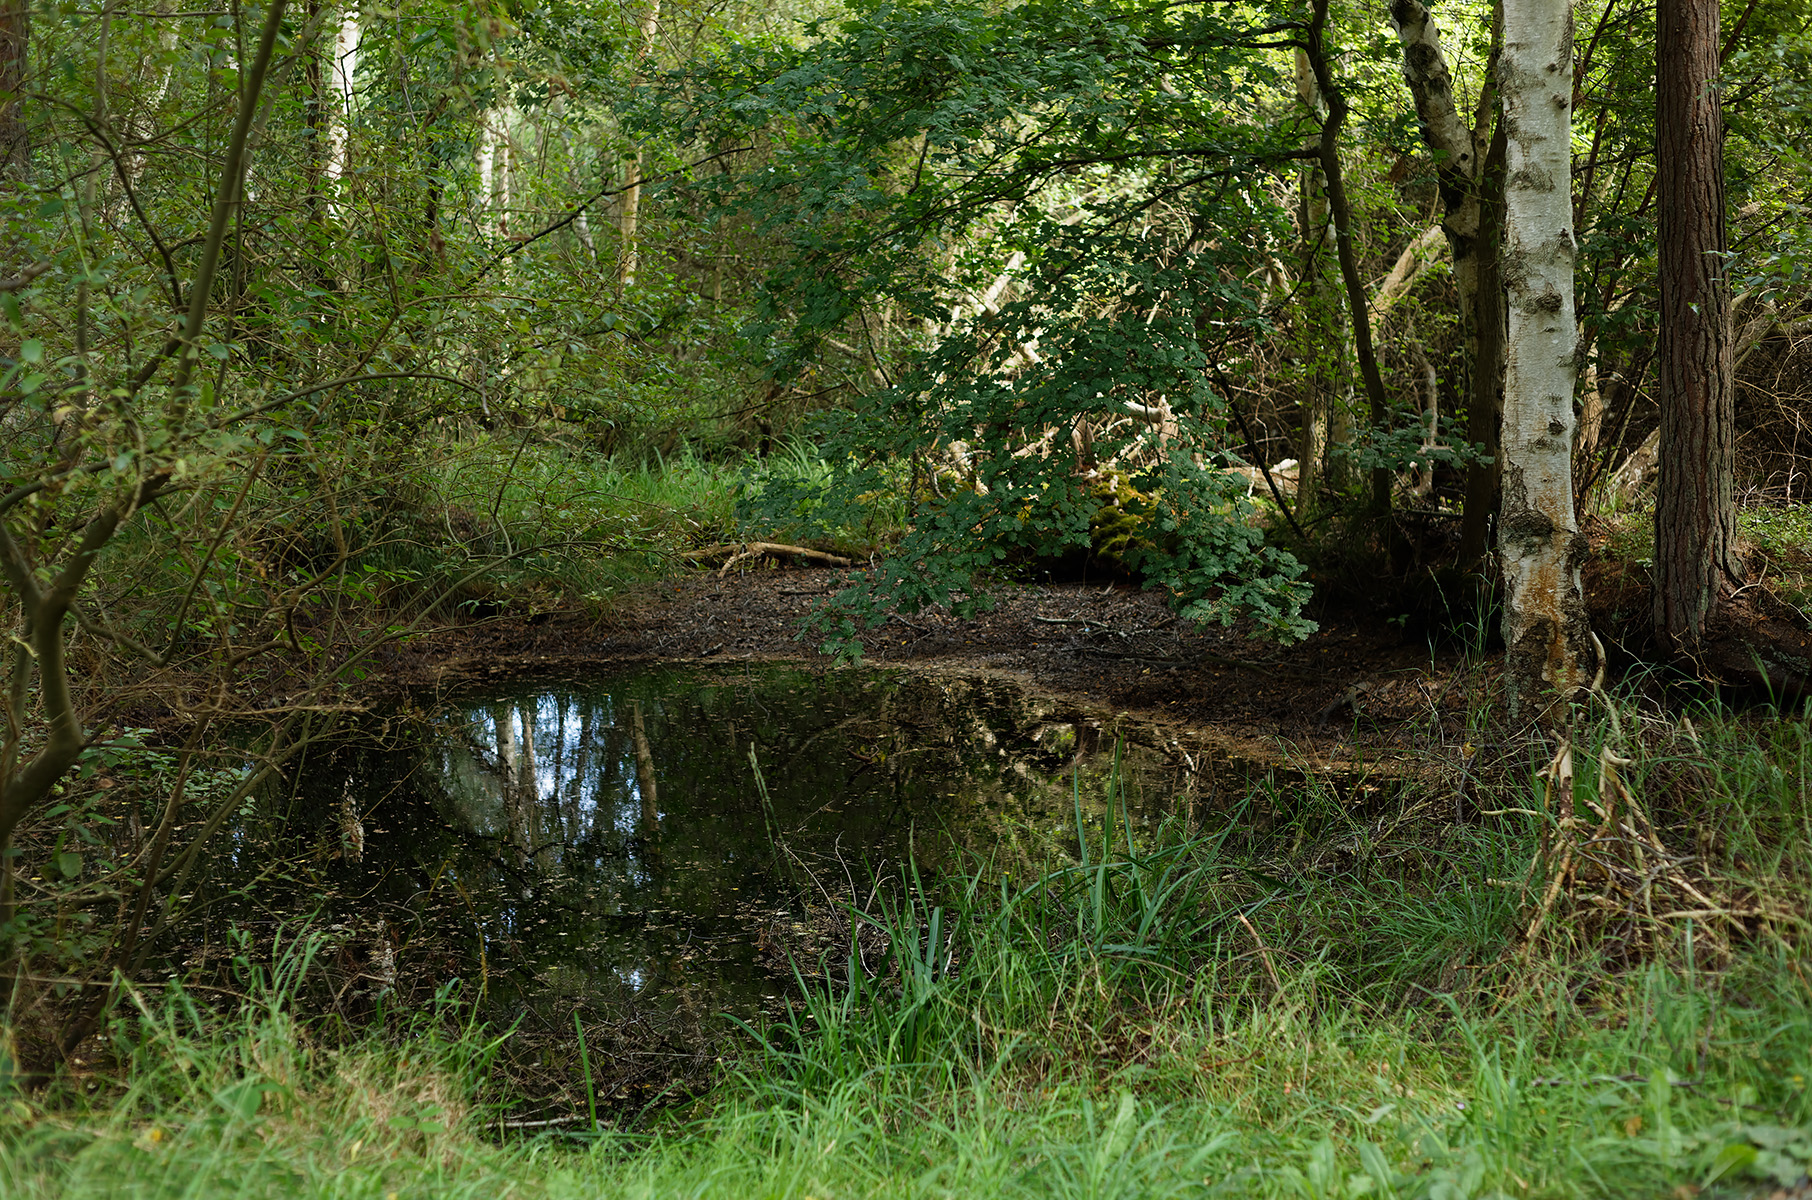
<point x="654" y="850"/>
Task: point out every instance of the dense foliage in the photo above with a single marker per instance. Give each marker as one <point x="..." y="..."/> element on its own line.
<point x="320" y="324"/>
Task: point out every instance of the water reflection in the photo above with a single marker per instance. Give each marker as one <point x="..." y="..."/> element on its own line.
<point x="650" y="845"/>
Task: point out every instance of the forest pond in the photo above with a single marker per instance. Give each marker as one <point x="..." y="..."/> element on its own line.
<point x="657" y="849"/>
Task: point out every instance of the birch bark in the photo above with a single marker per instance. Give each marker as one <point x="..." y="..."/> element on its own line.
<point x="1546" y="632"/>
<point x="1470" y="223"/>
<point x="339" y="134"/>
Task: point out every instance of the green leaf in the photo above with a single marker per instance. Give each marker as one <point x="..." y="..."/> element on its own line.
<point x="244" y="1098"/>
<point x="1737" y="1156"/>
<point x="31" y="350"/>
<point x="69" y="862"/>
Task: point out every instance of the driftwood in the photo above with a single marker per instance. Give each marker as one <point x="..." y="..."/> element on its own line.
<point x="731" y="553"/>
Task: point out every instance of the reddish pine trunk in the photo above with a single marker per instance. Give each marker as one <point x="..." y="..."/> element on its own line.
<point x="15" y="37"/>
<point x="1695" y="513"/>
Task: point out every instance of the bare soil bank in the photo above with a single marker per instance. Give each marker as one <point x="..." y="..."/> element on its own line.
<point x="1358" y="681"/>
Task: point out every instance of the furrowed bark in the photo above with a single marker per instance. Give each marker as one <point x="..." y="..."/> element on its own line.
<point x="15" y="39"/>
<point x="1546" y="632"/>
<point x="1695" y="510"/>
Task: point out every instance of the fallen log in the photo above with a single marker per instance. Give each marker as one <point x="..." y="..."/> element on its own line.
<point x="731" y="553"/>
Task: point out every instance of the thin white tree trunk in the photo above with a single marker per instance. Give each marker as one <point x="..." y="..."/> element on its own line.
<point x="1546" y="632"/>
<point x="496" y="161"/>
<point x="484" y="161"/>
<point x="629" y="215"/>
<point x="339" y="119"/>
<point x="528" y="787"/>
<point x="1460" y="155"/>
<point x="1404" y="273"/>
<point x="507" y="170"/>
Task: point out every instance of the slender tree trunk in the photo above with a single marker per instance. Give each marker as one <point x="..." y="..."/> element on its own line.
<point x="1358" y="309"/>
<point x="317" y="104"/>
<point x="1458" y="148"/>
<point x="15" y="40"/>
<point x="1323" y="342"/>
<point x="1470" y="219"/>
<point x="344" y="67"/>
<point x="1485" y="394"/>
<point x="1695" y="513"/>
<point x="528" y="789"/>
<point x="629" y="215"/>
<point x="1546" y="633"/>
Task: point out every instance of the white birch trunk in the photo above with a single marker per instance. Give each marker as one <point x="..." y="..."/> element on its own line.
<point x="484" y="158"/>
<point x="339" y="117"/>
<point x="140" y="125"/>
<point x="496" y="159"/>
<point x="1546" y="633"/>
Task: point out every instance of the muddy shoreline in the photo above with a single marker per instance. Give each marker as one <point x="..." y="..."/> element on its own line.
<point x="1354" y="693"/>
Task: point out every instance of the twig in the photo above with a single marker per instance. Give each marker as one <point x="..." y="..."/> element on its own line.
<point x="548" y="1123"/>
<point x="1264" y="952"/>
<point x="16" y="282"/>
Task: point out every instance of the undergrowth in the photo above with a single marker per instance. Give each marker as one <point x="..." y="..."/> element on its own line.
<point x="1235" y="1011"/>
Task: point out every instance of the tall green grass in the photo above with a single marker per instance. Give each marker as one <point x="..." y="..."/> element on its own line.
<point x="1334" y="1006"/>
<point x="548" y="526"/>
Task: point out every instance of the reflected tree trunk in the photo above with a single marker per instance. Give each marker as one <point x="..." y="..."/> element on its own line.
<point x="509" y="771"/>
<point x="575" y="794"/>
<point x="612" y="760"/>
<point x="526" y="826"/>
<point x="644" y="779"/>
